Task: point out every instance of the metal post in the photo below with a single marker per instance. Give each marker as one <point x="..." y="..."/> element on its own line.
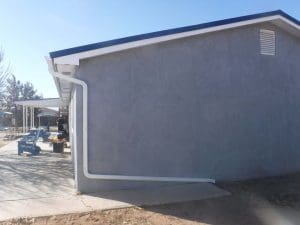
<point x="23" y="120"/>
<point x="26" y="119"/>
<point x="33" y="117"/>
<point x="29" y="118"/>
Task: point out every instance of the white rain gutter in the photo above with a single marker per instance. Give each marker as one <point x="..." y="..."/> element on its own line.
<point x="85" y="144"/>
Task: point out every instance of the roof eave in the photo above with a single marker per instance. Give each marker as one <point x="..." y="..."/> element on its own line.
<point x="75" y="58"/>
<point x="64" y="93"/>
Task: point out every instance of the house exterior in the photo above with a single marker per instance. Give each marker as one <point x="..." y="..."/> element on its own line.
<point x="215" y="101"/>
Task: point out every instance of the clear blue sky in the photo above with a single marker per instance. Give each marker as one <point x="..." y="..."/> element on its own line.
<point x="30" y="29"/>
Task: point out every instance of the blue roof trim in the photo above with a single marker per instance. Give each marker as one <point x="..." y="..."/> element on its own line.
<point x="94" y="46"/>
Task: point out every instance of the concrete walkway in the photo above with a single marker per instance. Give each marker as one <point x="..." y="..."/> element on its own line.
<point x="42" y="185"/>
<point x="27" y="177"/>
<point x="66" y="204"/>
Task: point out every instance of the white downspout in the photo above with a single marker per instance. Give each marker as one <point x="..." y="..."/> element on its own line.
<point x="85" y="145"/>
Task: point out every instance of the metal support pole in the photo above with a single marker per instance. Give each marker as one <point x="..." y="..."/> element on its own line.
<point x="26" y="119"/>
<point x="30" y="117"/>
<point x="23" y="119"/>
<point x="33" y="117"/>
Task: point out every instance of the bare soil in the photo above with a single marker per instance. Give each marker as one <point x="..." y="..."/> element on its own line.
<point x="259" y="202"/>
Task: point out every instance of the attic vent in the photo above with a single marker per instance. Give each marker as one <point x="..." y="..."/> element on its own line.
<point x="267" y="42"/>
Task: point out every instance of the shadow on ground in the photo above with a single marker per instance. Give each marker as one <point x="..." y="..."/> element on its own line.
<point x="23" y="177"/>
<point x="218" y="211"/>
<point x="266" y="201"/>
<point x="261" y="202"/>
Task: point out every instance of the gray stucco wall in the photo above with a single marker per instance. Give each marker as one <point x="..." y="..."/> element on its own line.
<point x="205" y="106"/>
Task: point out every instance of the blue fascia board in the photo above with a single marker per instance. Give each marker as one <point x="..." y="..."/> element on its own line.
<point x="104" y="44"/>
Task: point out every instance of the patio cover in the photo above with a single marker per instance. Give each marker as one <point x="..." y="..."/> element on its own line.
<point x="37" y="103"/>
<point x="42" y="103"/>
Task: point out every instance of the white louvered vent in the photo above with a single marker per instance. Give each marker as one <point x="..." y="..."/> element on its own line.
<point x="267" y="42"/>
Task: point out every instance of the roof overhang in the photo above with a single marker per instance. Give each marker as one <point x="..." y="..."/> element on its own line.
<point x="42" y="103"/>
<point x="73" y="56"/>
<point x="64" y="88"/>
<point x="66" y="61"/>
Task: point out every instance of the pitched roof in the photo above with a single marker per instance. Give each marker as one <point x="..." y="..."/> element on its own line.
<point x="140" y="37"/>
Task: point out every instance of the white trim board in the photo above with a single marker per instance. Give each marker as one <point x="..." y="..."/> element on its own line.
<point x="74" y="59"/>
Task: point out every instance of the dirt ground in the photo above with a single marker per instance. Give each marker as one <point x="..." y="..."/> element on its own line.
<point x="260" y="202"/>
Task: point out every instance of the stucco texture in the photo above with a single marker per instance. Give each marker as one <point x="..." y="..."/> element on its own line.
<point x="207" y="106"/>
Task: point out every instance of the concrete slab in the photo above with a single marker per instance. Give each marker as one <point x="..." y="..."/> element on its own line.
<point x="109" y="200"/>
<point x="25" y="177"/>
<point x="42" y="185"/>
<point x="180" y="192"/>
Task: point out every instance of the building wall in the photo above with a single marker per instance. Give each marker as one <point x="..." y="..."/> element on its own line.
<point x="207" y="106"/>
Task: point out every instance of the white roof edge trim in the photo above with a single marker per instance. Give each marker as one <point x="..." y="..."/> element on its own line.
<point x="47" y="102"/>
<point x="74" y="59"/>
<point x="52" y="68"/>
<point x="290" y="22"/>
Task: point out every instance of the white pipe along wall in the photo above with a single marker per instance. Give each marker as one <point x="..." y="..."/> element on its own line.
<point x="85" y="142"/>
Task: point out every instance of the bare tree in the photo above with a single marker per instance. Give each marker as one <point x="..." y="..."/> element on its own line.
<point x="5" y="73"/>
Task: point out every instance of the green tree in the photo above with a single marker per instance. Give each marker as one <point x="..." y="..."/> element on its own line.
<point x="28" y="92"/>
<point x="16" y="91"/>
<point x="13" y="92"/>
